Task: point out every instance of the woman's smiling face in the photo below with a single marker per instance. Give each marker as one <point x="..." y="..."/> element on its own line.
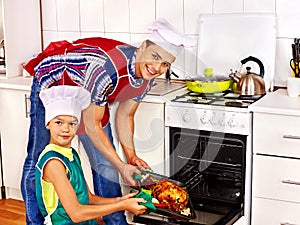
<point x="152" y="61"/>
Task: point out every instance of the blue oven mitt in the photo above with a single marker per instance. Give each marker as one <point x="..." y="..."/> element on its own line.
<point x="147" y="197"/>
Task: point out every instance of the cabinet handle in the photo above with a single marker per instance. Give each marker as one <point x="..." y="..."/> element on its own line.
<point x="286" y="223"/>
<point x="291" y="137"/>
<point x="27" y="105"/>
<point x="290" y="182"/>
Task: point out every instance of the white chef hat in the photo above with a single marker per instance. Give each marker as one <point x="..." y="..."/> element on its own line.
<point x="167" y="37"/>
<point x="64" y="100"/>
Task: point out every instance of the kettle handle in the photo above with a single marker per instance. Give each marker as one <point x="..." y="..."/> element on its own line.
<point x="261" y="66"/>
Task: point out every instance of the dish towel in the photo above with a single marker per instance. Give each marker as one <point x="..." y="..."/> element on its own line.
<point x="148" y="198"/>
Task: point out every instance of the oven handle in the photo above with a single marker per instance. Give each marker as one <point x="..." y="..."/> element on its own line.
<point x="291" y="136"/>
<point x="287" y="223"/>
<point x="288" y="181"/>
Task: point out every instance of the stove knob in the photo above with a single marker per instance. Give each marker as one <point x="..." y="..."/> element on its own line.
<point x="204" y="119"/>
<point x="186" y="117"/>
<point x="232" y="122"/>
<point x="213" y="120"/>
<point x="222" y="121"/>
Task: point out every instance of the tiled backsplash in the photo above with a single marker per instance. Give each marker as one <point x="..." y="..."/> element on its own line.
<point x="127" y="20"/>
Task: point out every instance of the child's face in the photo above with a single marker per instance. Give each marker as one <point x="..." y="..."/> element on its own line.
<point x="62" y="130"/>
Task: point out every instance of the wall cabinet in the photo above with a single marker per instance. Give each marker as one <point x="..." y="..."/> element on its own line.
<point x="14" y="127"/>
<point x="276" y="166"/>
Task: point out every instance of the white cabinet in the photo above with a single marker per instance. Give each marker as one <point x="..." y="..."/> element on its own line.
<point x="276" y="166"/>
<point x="276" y="134"/>
<point x="14" y="127"/>
<point x="270" y="211"/>
<point x="149" y="135"/>
<point x="22" y="33"/>
<point x="148" y="138"/>
<point x="85" y="163"/>
<point x="277" y="178"/>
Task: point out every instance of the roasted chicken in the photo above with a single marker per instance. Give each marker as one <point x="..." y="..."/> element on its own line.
<point x="170" y="193"/>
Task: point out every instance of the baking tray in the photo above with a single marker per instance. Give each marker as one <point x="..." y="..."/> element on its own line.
<point x="164" y="211"/>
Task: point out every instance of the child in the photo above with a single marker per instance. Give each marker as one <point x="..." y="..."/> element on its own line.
<point x="61" y="190"/>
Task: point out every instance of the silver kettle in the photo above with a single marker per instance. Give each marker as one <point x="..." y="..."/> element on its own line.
<point x="249" y="83"/>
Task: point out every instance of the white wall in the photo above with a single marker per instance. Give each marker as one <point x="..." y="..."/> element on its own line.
<point x="126" y="20"/>
<point x="1" y="22"/>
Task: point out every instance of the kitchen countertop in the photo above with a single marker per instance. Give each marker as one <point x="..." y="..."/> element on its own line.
<point x="16" y="83"/>
<point x="277" y="102"/>
<point x="163" y="91"/>
<point x="24" y="84"/>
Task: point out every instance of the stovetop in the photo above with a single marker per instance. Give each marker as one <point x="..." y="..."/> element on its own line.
<point x="226" y="98"/>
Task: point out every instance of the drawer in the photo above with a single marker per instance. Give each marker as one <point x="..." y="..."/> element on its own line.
<point x="272" y="212"/>
<point x="276" y="178"/>
<point x="276" y="134"/>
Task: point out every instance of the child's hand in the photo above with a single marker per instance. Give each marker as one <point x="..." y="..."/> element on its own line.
<point x="132" y="205"/>
<point x="127" y="196"/>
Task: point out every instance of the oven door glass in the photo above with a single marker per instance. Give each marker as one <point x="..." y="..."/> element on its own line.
<point x="212" y="165"/>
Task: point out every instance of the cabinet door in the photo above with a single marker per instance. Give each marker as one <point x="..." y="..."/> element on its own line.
<point x="85" y="163"/>
<point x="149" y="135"/>
<point x="276" y="178"/>
<point x="276" y="135"/>
<point x="14" y="127"/>
<point x="273" y="212"/>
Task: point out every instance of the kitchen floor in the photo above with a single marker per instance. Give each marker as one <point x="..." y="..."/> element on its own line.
<point x="12" y="212"/>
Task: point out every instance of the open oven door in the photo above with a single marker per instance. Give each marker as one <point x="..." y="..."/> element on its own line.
<point x="241" y="221"/>
<point x="218" y="217"/>
<point x="208" y="211"/>
<point x="202" y="218"/>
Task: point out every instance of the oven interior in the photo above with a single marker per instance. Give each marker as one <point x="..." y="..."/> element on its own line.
<point x="212" y="165"/>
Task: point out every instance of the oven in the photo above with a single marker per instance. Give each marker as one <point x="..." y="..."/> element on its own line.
<point x="208" y="148"/>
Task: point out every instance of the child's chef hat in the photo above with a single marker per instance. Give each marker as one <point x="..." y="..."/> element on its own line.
<point x="64" y="100"/>
<point x="167" y="37"/>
